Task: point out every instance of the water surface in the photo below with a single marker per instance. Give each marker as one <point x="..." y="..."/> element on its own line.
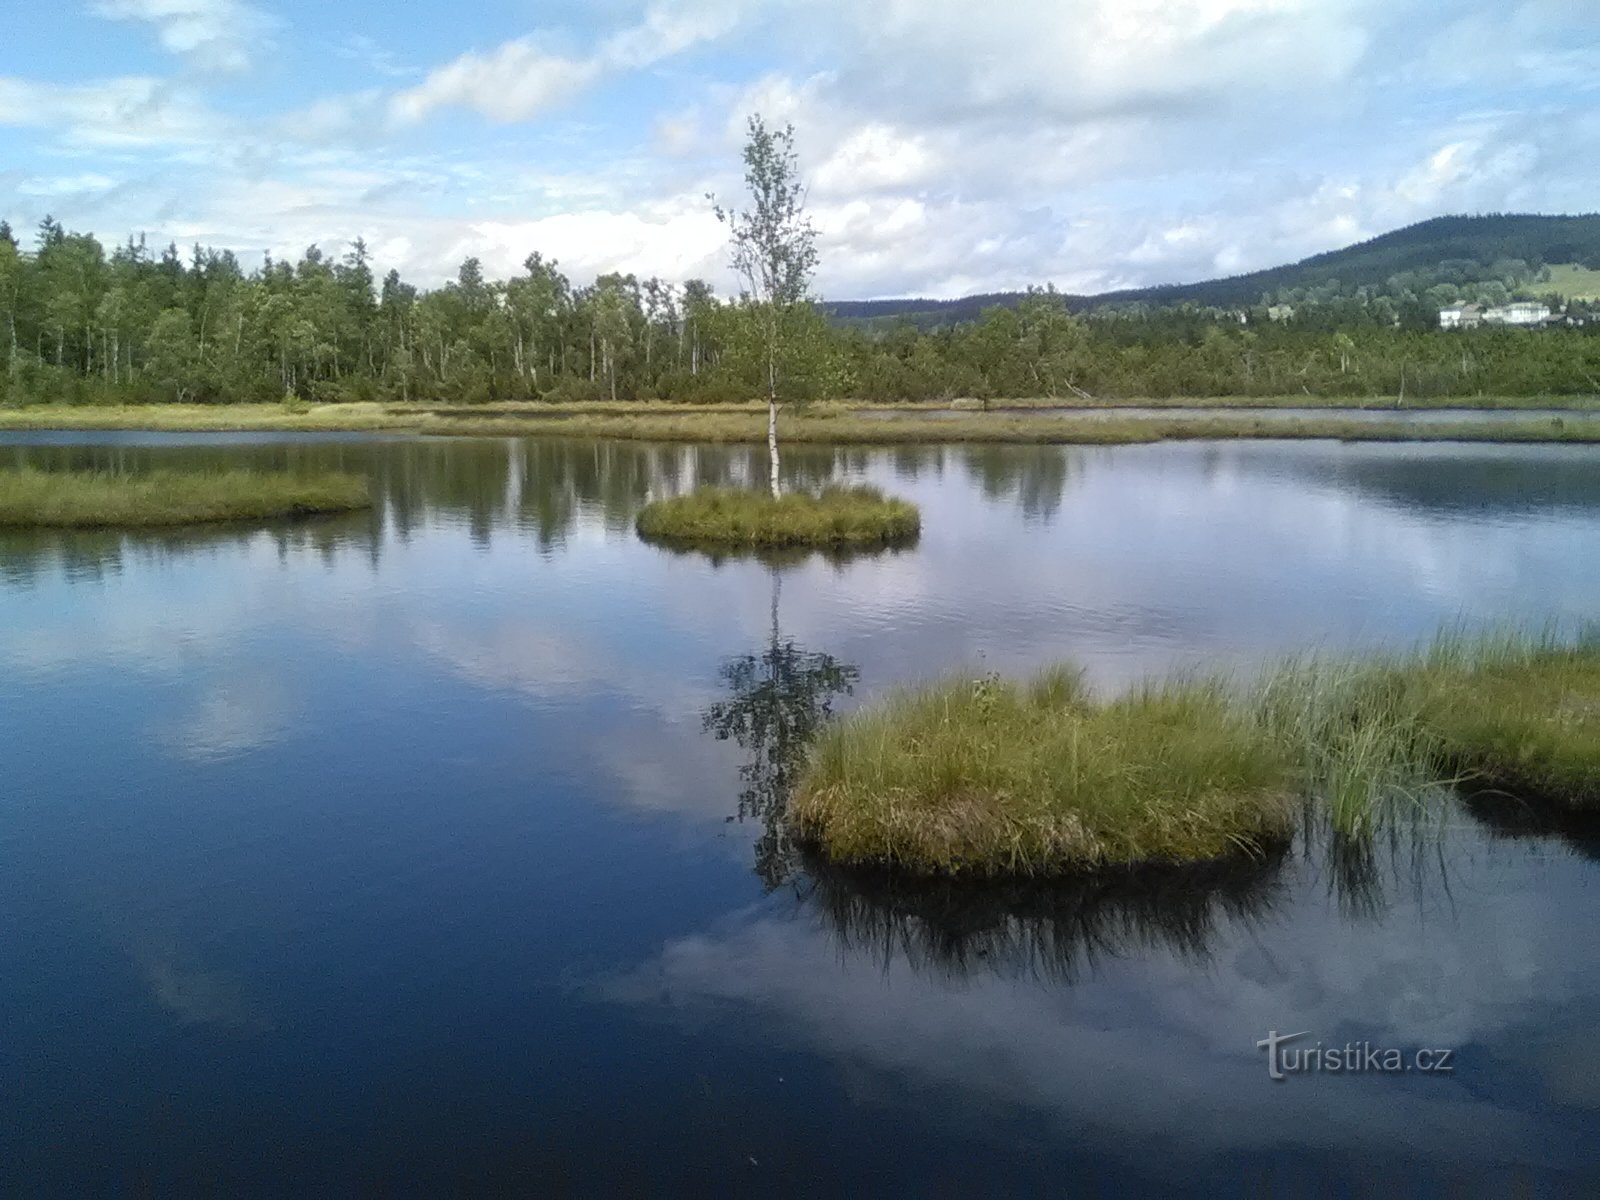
<point x="425" y="849"/>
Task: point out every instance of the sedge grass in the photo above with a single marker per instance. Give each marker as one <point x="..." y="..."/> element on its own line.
<point x="89" y="499"/>
<point x="1517" y="713"/>
<point x="732" y="517"/>
<point x="988" y="777"/>
<point x="1003" y="779"/>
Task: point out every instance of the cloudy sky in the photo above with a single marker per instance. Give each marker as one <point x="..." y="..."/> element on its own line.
<point x="950" y="147"/>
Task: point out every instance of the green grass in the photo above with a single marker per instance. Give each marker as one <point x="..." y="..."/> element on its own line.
<point x="201" y="418"/>
<point x="1573" y="282"/>
<point x="86" y="499"/>
<point x="993" y="778"/>
<point x="1519" y="714"/>
<point x="1003" y="779"/>
<point x="837" y="516"/>
<point x="827" y="423"/>
<point x="850" y="429"/>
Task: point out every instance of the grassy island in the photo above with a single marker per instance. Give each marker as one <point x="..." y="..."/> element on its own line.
<point x="90" y="499"/>
<point x="731" y="517"/>
<point x="1525" y="720"/>
<point x="993" y="778"/>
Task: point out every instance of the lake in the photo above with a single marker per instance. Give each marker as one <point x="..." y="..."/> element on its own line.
<point x="432" y="849"/>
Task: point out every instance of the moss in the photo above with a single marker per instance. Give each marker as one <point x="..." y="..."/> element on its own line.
<point x="86" y="499"/>
<point x="837" y="516"/>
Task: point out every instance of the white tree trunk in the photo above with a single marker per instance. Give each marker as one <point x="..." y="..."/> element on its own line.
<point x="772" y="423"/>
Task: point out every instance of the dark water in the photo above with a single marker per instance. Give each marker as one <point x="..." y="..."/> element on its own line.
<point x="402" y="853"/>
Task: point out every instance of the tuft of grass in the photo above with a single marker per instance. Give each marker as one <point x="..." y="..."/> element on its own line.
<point x="988" y="777"/>
<point x="1519" y="713"/>
<point x="88" y="499"/>
<point x="836" y="516"/>
<point x="1356" y="733"/>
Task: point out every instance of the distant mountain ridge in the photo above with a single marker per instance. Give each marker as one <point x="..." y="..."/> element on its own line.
<point x="1463" y="244"/>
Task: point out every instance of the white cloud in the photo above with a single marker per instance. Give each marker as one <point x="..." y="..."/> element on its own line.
<point x="128" y="112"/>
<point x="219" y="35"/>
<point x="521" y="79"/>
<point x="512" y="83"/>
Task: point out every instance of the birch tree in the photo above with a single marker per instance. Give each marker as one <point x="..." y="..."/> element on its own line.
<point x="774" y="252"/>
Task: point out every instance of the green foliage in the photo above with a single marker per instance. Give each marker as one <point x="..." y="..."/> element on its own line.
<point x="80" y="325"/>
<point x="729" y="517"/>
<point x="85" y="499"/>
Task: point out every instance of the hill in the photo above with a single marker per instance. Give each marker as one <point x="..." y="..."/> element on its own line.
<point x="1512" y="249"/>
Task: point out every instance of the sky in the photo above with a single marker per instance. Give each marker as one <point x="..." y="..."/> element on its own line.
<point x="949" y="148"/>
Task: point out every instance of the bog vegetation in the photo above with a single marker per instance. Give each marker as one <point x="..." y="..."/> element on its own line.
<point x="989" y="777"/>
<point x="734" y="517"/>
<point x="90" y="499"/>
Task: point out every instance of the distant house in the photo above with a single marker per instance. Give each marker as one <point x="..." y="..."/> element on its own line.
<point x="1280" y="312"/>
<point x="1523" y="312"/>
<point x="1461" y="316"/>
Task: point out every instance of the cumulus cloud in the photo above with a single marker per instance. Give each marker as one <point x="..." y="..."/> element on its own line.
<point x="521" y="78"/>
<point x="1096" y="144"/>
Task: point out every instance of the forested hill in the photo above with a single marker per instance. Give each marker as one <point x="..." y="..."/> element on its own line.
<point x="1454" y="250"/>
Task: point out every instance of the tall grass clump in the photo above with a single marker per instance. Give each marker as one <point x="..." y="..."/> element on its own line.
<point x="1517" y="712"/>
<point x="993" y="778"/>
<point x="97" y="499"/>
<point x="837" y="516"/>
<point x="1355" y="732"/>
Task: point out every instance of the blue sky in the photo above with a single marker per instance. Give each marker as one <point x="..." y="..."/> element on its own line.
<point x="950" y="147"/>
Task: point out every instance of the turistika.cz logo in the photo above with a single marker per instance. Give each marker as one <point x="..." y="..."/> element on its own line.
<point x="1351" y="1058"/>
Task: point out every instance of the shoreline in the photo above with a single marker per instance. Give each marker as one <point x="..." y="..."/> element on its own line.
<point x="831" y="423"/>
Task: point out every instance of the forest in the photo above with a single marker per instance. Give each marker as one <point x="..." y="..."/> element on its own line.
<point x="83" y="326"/>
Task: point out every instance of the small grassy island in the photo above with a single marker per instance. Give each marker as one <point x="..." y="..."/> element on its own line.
<point x="990" y="778"/>
<point x="731" y="517"/>
<point x="97" y="499"/>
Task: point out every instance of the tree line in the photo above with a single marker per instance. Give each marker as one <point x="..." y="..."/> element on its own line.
<point x="81" y="325"/>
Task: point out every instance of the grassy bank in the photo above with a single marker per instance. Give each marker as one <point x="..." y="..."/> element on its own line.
<point x="211" y="418"/>
<point x="849" y="429"/>
<point x="1516" y="714"/>
<point x="993" y="778"/>
<point x="731" y="517"/>
<point x="997" y="778"/>
<point x="823" y="423"/>
<point x="83" y="499"/>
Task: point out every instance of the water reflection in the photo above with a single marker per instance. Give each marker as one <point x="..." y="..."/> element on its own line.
<point x="779" y="700"/>
<point x="1061" y="930"/>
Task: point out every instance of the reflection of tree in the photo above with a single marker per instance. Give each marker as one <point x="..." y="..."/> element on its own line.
<point x="780" y="698"/>
<point x="1058" y="929"/>
<point x="1035" y="475"/>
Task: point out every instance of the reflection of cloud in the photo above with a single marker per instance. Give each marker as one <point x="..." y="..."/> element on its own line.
<point x="196" y="996"/>
<point x="1151" y="1050"/>
<point x="230" y="718"/>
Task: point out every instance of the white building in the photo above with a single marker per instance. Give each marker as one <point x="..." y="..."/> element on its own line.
<point x="1526" y="314"/>
<point x="1522" y="312"/>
